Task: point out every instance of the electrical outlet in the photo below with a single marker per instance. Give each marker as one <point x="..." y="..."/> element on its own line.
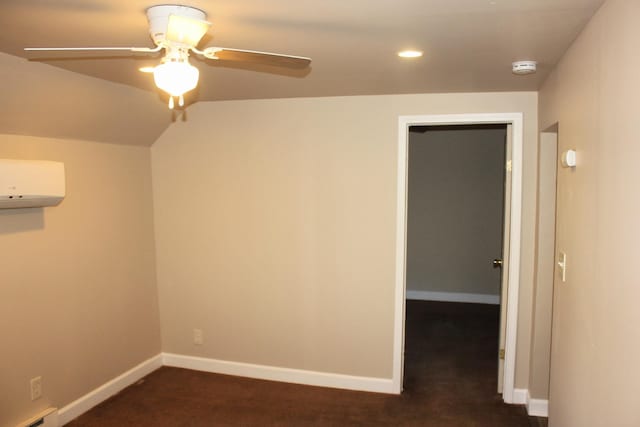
<point x="198" y="339"/>
<point x="36" y="388"/>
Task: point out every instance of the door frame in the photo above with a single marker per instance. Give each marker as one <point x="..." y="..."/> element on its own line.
<point x="513" y="283"/>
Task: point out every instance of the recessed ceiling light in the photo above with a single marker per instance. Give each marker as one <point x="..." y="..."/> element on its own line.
<point x="410" y="54"/>
<point x="146" y="69"/>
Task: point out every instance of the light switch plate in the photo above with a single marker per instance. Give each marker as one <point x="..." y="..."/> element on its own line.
<point x="562" y="263"/>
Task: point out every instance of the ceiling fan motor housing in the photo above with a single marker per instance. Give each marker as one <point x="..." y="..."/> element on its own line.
<point x="158" y="17"/>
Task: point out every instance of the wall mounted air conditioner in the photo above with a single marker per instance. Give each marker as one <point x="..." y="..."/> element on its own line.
<point x="30" y="183"/>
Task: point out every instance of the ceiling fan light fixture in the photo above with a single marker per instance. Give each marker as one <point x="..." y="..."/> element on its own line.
<point x="176" y="77"/>
<point x="177" y="30"/>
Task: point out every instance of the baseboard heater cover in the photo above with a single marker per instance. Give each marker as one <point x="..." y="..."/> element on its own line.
<point x="46" y="418"/>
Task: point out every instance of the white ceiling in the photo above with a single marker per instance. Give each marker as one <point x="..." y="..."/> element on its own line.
<point x="469" y="44"/>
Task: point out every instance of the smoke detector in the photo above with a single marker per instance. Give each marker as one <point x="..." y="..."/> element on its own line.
<point x="524" y="67"/>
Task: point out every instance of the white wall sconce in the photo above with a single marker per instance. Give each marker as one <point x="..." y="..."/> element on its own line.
<point x="569" y="159"/>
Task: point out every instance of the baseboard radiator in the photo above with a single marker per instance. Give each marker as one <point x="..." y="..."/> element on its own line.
<point x="46" y="418"/>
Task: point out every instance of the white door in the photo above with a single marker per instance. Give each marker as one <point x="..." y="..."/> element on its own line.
<point x="505" y="258"/>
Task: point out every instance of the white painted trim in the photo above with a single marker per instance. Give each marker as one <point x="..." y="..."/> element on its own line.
<point x="537" y="407"/>
<point x="520" y="396"/>
<point x="516" y="121"/>
<point x="274" y="373"/>
<point x="108" y="389"/>
<point x="453" y="297"/>
<point x="401" y="254"/>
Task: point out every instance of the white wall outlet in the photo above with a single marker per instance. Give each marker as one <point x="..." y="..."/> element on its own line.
<point x="198" y="338"/>
<point x="36" y="388"/>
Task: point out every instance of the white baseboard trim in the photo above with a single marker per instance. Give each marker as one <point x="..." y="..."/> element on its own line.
<point x="273" y="373"/>
<point x="108" y="389"/>
<point x="537" y="407"/>
<point x="520" y="396"/>
<point x="453" y="297"/>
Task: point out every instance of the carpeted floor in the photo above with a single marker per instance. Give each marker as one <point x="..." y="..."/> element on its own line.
<point x="450" y="380"/>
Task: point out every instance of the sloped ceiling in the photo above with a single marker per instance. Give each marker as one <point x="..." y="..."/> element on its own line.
<point x="468" y="44"/>
<point x="42" y="100"/>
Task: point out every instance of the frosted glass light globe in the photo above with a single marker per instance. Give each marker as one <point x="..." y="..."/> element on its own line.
<point x="176" y="77"/>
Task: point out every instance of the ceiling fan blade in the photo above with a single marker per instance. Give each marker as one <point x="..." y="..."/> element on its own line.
<point x="185" y="30"/>
<point x="270" y="58"/>
<point x="94" y="49"/>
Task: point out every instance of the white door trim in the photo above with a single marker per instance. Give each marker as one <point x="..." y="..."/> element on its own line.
<point x="516" y="121"/>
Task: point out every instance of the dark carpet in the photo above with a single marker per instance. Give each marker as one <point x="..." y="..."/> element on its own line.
<point x="450" y="380"/>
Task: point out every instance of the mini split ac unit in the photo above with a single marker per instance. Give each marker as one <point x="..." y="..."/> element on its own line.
<point x="31" y="183"/>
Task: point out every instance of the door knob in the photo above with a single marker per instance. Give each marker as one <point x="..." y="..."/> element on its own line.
<point x="497" y="263"/>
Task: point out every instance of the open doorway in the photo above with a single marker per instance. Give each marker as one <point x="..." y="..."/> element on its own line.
<point x="511" y="157"/>
<point x="455" y="223"/>
<point x="455" y="212"/>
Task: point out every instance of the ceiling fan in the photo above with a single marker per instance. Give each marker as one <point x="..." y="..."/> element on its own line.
<point x="178" y="29"/>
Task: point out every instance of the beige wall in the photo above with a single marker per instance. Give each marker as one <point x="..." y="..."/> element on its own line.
<point x="78" y="303"/>
<point x="455" y="210"/>
<point x="545" y="266"/>
<point x="275" y="228"/>
<point x="593" y="95"/>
